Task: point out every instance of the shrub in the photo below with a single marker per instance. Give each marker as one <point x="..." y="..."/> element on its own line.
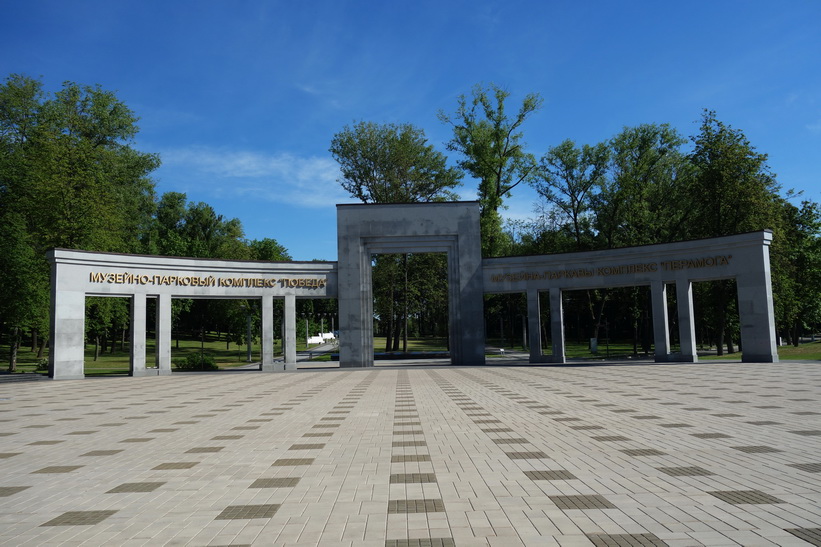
<point x="42" y="364"/>
<point x="196" y="361"/>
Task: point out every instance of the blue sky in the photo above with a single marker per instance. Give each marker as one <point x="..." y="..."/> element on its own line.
<point x="241" y="99"/>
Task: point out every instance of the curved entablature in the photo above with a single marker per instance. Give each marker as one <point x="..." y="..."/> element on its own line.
<point x="78" y="274"/>
<point x="697" y="260"/>
<point x="447" y="227"/>
<point x="743" y="257"/>
<point x="112" y="274"/>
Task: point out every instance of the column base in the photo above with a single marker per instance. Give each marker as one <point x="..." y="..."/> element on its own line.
<point x="678" y="358"/>
<point x="68" y="377"/>
<point x="765" y="358"/>
<point x="144" y="372"/>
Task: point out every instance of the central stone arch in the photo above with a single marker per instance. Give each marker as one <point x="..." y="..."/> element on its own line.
<point x="366" y="229"/>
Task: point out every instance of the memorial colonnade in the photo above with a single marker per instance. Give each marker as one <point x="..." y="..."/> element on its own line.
<point x="77" y="274"/>
<point x="448" y="227"/>
<point x="743" y="257"/>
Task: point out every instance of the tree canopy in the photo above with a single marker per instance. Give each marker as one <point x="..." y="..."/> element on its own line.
<point x="492" y="151"/>
<point x="70" y="177"/>
<point x="390" y="163"/>
<point x="647" y="184"/>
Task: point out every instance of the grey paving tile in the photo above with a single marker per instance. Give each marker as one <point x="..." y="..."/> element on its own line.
<point x="626" y="540"/>
<point x="6" y="491"/>
<point x="527" y="455"/>
<point x="810" y="535"/>
<point x="286" y="462"/>
<point x="807" y="467"/>
<point x="412" y="478"/>
<point x="711" y="435"/>
<point x="757" y="449"/>
<point x="421" y="542"/>
<point x="174" y="465"/>
<point x="80" y="518"/>
<point x="278" y="482"/>
<point x="638" y="452"/>
<point x="553" y="475"/>
<point x="128" y="487"/>
<point x="743" y="497"/>
<point x="691" y="471"/>
<point x="593" y="501"/>
<point x="416" y="506"/>
<point x="807" y="432"/>
<point x="58" y="469"/>
<point x="247" y="512"/>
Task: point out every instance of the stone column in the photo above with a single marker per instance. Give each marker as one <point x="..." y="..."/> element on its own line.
<point x="267" y="364"/>
<point x="137" y="361"/>
<point x="467" y="277"/>
<point x="661" y="329"/>
<point x="164" y="334"/>
<point x="686" y="321"/>
<point x="534" y="326"/>
<point x="557" y="325"/>
<point x="755" y="310"/>
<point x="67" y="351"/>
<point x="290" y="332"/>
<point x="355" y="301"/>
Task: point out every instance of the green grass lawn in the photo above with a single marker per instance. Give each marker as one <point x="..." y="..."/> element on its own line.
<point x="414" y="344"/>
<point x="810" y="351"/>
<point x="233" y="356"/>
<point x="117" y="362"/>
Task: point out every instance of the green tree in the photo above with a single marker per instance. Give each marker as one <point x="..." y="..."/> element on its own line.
<point x="268" y="249"/>
<point x="24" y="294"/>
<point x="796" y="270"/>
<point x="569" y="179"/>
<point x="645" y="198"/>
<point x="392" y="163"/>
<point x="183" y="228"/>
<point x="490" y="142"/>
<point x="84" y="184"/>
<point x="733" y="191"/>
<point x="68" y="178"/>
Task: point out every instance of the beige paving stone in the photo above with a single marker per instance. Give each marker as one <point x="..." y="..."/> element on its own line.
<point x="342" y="495"/>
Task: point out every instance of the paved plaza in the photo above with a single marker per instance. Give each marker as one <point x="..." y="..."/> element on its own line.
<point x="626" y="454"/>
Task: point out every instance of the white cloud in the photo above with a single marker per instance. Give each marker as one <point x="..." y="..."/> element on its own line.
<point x="281" y="177"/>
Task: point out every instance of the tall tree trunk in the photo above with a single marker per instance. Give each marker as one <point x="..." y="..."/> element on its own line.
<point x="721" y="317"/>
<point x="96" y="347"/>
<point x="397" y="333"/>
<point x="596" y="315"/>
<point x="14" y="343"/>
<point x="720" y="334"/>
<point x="389" y="326"/>
<point x="405" y="311"/>
<point x="33" y="340"/>
<point x="42" y="347"/>
<point x="544" y="340"/>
